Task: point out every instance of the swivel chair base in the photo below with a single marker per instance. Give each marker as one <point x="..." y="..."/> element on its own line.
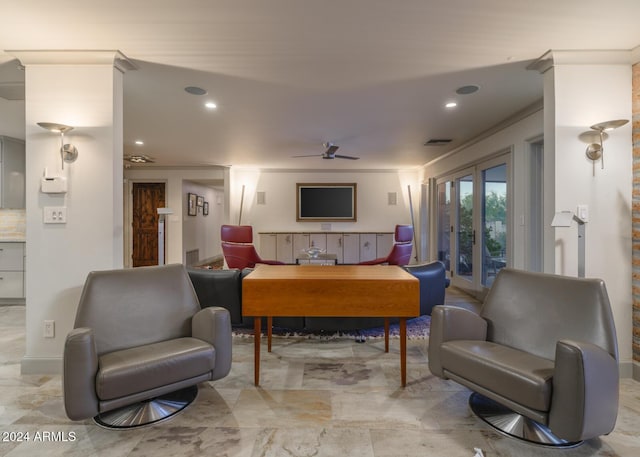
<point x="512" y="424"/>
<point x="148" y="412"/>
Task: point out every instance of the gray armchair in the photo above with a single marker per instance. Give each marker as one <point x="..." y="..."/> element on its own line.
<point x="140" y="345"/>
<point x="541" y="357"/>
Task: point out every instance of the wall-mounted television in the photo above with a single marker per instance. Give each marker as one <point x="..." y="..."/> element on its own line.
<point x="336" y="202"/>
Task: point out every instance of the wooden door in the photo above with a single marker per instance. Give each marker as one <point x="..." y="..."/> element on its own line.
<point x="147" y="198"/>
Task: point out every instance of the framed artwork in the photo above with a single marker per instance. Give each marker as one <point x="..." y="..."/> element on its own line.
<point x="192" y="209"/>
<point x="200" y="200"/>
<point x="205" y="208"/>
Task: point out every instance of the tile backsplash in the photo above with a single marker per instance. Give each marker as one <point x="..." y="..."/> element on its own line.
<point x="12" y="224"/>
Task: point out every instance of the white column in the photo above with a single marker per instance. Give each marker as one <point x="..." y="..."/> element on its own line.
<point x="583" y="89"/>
<point x="83" y="90"/>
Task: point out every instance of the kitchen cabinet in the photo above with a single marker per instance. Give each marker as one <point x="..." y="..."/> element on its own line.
<point x="12" y="172"/>
<point x="11" y="270"/>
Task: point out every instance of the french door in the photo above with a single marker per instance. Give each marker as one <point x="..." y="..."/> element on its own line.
<point x="472" y="223"/>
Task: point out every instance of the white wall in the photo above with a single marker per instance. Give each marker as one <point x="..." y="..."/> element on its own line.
<point x="59" y="257"/>
<point x="203" y="232"/>
<point x="279" y="212"/>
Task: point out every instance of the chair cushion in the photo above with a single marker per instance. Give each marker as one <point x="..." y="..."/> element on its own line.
<point x="519" y="376"/>
<point x="141" y="368"/>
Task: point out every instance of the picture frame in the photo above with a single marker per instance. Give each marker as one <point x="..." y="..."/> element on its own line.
<point x="205" y="208"/>
<point x="200" y="200"/>
<point x="192" y="209"/>
<point x="327" y="202"/>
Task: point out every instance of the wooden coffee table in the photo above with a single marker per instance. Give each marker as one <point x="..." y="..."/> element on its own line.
<point x="331" y="291"/>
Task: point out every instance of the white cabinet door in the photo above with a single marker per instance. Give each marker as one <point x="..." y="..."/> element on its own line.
<point x="11" y="270"/>
<point x="367" y="246"/>
<point x="334" y="245"/>
<point x="11" y="256"/>
<point x="384" y="242"/>
<point x="300" y="241"/>
<point x="351" y="248"/>
<point x="318" y="240"/>
<point x="11" y="284"/>
<point x="284" y="247"/>
<point x="268" y="243"/>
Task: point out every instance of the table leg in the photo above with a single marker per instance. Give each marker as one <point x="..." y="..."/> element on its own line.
<point x="403" y="351"/>
<point x="386" y="334"/>
<point x="269" y="332"/>
<point x="256" y="347"/>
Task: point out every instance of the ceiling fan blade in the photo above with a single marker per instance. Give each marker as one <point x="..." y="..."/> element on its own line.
<point x="331" y="150"/>
<point x="308" y="155"/>
<point x="338" y="156"/>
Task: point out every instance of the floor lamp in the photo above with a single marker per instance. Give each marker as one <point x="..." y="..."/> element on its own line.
<point x="563" y="219"/>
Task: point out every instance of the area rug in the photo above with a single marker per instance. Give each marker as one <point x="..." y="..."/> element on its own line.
<point x="417" y="328"/>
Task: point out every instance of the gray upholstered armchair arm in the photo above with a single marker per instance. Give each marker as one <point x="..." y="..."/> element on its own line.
<point x="452" y="323"/>
<point x="213" y="325"/>
<point x="79" y="374"/>
<point x="585" y="391"/>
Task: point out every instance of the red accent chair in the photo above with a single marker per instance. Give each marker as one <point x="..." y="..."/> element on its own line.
<point x="238" y="249"/>
<point x="401" y="251"/>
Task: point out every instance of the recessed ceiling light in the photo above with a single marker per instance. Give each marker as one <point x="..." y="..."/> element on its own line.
<point x="193" y="90"/>
<point x="139" y="142"/>
<point x="466" y="90"/>
<point x="211" y="105"/>
<point x="451" y="105"/>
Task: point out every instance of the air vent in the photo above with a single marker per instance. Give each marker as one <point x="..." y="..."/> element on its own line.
<point x="194" y="90"/>
<point x="466" y="90"/>
<point x="437" y="141"/>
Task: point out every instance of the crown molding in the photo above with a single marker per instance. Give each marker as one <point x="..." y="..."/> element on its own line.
<point x="73" y="57"/>
<point x="552" y="58"/>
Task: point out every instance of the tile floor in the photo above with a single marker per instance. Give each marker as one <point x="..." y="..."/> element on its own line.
<point x="318" y="398"/>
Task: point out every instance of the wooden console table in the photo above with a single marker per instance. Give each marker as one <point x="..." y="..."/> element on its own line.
<point x="331" y="291"/>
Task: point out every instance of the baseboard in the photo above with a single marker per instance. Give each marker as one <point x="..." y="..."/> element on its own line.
<point x="636" y="371"/>
<point x="216" y="258"/>
<point x="12" y="301"/>
<point x="41" y="365"/>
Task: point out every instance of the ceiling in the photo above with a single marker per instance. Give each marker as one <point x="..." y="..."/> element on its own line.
<point x="371" y="76"/>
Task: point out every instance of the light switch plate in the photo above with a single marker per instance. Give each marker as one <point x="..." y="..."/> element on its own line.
<point x="55" y="214"/>
<point x="583" y="212"/>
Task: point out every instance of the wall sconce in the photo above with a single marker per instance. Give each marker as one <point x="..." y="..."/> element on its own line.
<point x="595" y="151"/>
<point x="68" y="152"/>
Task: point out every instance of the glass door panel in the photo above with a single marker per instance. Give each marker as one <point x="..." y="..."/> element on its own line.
<point x="465" y="235"/>
<point x="444" y="223"/>
<point x="494" y="222"/>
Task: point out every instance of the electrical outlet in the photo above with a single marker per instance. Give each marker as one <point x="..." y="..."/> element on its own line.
<point x="49" y="329"/>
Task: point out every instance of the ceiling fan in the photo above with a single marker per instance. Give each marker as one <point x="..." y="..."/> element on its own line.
<point x="330" y="153"/>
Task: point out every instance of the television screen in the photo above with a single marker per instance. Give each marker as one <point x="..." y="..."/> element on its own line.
<point x="326" y="202"/>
